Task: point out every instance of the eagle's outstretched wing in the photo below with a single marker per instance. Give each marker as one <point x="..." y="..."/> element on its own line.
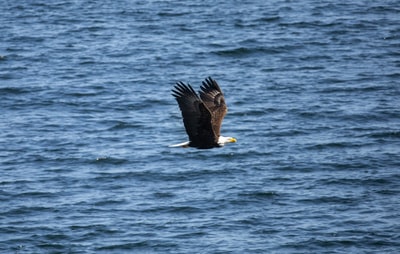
<point x="213" y="98"/>
<point x="197" y="117"/>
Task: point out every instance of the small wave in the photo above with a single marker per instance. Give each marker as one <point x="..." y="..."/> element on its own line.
<point x="172" y="14"/>
<point x="331" y="200"/>
<point x="12" y="91"/>
<point x="385" y="134"/>
<point x="141" y="245"/>
<point x="335" y="145"/>
<point x="259" y="194"/>
<point x="243" y="51"/>
<point x="269" y="19"/>
<point x="35" y="194"/>
<point x="110" y="160"/>
<point x="124" y="125"/>
<point x="347" y="88"/>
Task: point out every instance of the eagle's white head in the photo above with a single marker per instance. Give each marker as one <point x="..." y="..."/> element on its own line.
<point x="223" y="140"/>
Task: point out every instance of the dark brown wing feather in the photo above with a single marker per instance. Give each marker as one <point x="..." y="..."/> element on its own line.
<point x="213" y="98"/>
<point x="196" y="116"/>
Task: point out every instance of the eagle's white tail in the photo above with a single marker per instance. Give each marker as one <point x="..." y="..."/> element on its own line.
<point x="184" y="144"/>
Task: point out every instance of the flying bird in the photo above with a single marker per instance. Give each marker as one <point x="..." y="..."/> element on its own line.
<point x="202" y="115"/>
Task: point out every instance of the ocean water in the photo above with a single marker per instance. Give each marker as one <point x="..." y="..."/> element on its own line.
<point x="87" y="115"/>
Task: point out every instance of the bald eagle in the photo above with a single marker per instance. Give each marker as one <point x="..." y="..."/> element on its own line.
<point x="202" y="115"/>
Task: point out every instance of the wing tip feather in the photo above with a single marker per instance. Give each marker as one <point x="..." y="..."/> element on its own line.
<point x="181" y="90"/>
<point x="210" y="84"/>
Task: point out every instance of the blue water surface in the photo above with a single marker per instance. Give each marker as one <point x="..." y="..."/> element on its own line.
<point x="87" y="116"/>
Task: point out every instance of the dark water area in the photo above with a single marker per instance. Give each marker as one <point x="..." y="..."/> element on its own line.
<point x="313" y="93"/>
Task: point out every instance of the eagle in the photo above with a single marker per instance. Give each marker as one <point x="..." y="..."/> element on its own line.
<point x="202" y="115"/>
